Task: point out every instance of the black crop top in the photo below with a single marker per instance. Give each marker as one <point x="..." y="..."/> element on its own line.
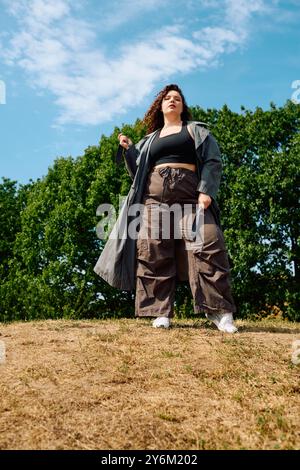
<point x="174" y="148"/>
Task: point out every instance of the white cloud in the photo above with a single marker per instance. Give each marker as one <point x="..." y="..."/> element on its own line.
<point x="118" y="12"/>
<point x="217" y="41"/>
<point x="59" y="54"/>
<point x="240" y="11"/>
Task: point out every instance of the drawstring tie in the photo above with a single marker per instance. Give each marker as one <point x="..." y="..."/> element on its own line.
<point x="169" y="176"/>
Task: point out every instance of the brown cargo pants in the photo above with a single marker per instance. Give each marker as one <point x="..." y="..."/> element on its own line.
<point x="166" y="253"/>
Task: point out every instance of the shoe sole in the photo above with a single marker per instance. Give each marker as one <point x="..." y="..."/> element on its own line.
<point x="231" y="332"/>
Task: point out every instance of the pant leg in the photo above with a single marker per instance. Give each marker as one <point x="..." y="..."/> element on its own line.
<point x="209" y="270"/>
<point x="156" y="268"/>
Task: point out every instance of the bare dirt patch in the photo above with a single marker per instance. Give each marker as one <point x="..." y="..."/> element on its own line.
<point x="120" y="384"/>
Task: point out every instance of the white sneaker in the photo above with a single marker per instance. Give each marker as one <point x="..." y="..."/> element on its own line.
<point x="224" y="322"/>
<point x="161" y="322"/>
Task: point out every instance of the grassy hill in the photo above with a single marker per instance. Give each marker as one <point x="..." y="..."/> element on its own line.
<point x="120" y="384"/>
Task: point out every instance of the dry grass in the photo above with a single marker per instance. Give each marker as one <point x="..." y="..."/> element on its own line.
<point x="120" y="384"/>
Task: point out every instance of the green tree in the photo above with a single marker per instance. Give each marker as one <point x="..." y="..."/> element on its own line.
<point x="12" y="202"/>
<point x="259" y="201"/>
<point x="49" y="244"/>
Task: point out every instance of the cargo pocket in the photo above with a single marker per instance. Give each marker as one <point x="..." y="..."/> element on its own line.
<point x="142" y="248"/>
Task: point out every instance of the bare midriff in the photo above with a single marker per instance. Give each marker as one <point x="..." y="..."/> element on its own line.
<point x="188" y="166"/>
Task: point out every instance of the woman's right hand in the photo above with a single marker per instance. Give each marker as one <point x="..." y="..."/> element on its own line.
<point x="124" y="141"/>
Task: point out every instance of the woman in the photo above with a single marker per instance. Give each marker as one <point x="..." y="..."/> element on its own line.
<point x="177" y="162"/>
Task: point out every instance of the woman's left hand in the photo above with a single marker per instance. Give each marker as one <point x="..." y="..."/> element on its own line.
<point x="204" y="200"/>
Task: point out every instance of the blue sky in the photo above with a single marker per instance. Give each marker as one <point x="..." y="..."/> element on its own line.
<point x="72" y="71"/>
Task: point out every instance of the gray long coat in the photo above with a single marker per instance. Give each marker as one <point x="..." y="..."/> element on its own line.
<point x="117" y="262"/>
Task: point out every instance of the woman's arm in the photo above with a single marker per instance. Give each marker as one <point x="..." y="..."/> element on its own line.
<point x="131" y="153"/>
<point x="211" y="168"/>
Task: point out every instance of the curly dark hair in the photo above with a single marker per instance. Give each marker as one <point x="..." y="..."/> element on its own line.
<point x="154" y="118"/>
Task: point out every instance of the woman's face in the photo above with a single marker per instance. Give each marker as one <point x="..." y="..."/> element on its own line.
<point x="172" y="104"/>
